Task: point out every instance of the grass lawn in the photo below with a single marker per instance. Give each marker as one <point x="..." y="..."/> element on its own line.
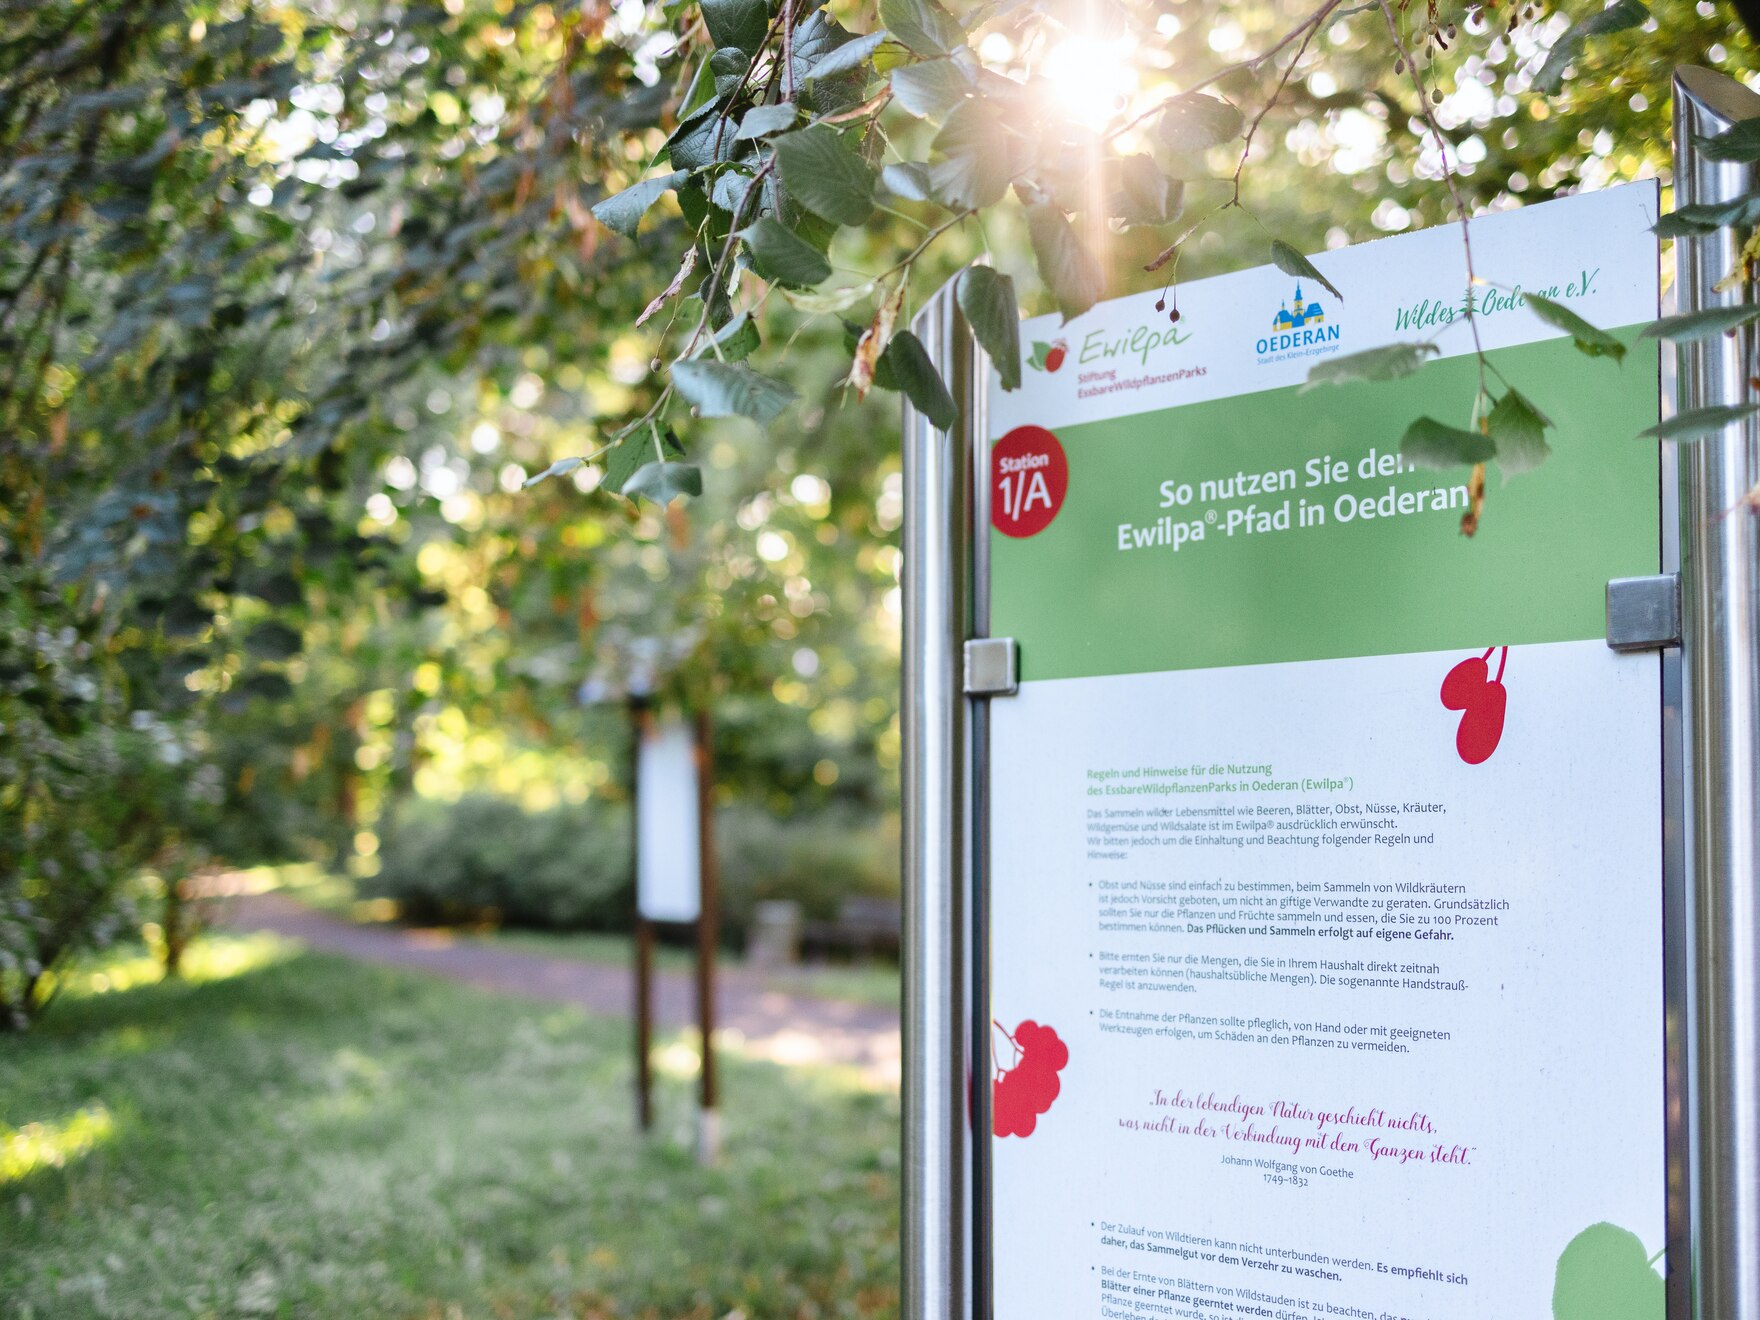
<point x="289" y="1135"/>
<point x="873" y="983"/>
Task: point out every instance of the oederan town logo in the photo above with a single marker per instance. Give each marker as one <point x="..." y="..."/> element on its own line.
<point x="1299" y="329"/>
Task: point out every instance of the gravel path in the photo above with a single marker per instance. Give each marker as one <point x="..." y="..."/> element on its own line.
<point x="753" y="1017"/>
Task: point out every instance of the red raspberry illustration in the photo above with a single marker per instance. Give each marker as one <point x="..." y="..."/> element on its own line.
<point x="1483" y="702"/>
<point x="1024" y="1091"/>
<point x="1054" y="359"/>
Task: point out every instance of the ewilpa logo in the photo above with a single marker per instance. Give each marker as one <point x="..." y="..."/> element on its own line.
<point x="1048" y="357"/>
<point x="1300" y="328"/>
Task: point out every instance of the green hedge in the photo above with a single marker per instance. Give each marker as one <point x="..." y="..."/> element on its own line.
<point x="486" y="858"/>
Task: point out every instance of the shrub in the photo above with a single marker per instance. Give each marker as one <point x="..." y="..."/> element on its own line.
<point x="816" y="860"/>
<point x="486" y="858"/>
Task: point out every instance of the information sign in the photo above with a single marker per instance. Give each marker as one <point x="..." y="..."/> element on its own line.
<point x="1326" y="841"/>
<point x="668" y="828"/>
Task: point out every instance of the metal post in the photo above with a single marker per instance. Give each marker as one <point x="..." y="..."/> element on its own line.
<point x="644" y="930"/>
<point x="708" y="934"/>
<point x="1720" y="578"/>
<point x="937" y="616"/>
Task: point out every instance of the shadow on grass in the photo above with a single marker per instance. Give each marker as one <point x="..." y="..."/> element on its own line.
<point x="312" y="1137"/>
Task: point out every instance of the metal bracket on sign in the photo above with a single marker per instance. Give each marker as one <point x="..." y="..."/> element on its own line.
<point x="993" y="667"/>
<point x="1644" y="613"/>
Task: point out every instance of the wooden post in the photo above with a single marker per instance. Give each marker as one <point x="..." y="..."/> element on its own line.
<point x="708" y="934"/>
<point x="644" y="930"/>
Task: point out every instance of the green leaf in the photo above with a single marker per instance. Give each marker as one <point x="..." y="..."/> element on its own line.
<point x="1589" y="339"/>
<point x="560" y="468"/>
<point x="851" y="57"/>
<point x="1689" y="326"/>
<point x="1041" y="352"/>
<point x="931" y="89"/>
<point x="274" y="641"/>
<point x="1615" y="18"/>
<point x="908" y="180"/>
<point x="1709" y="217"/>
<point x="1291" y="262"/>
<point x="1145" y="195"/>
<point x="782" y="257"/>
<point x="664" y="482"/>
<point x="923" y="26"/>
<point x="818" y="38"/>
<point x="918" y="380"/>
<point x="632" y="452"/>
<point x="829" y="302"/>
<point x="730" y="389"/>
<point x="1069" y="270"/>
<point x="729" y="67"/>
<point x="1739" y="142"/>
<point x="1605" y="1274"/>
<point x="624" y="211"/>
<point x="1518" y="429"/>
<point x="763" y="120"/>
<point x="701" y="140"/>
<point x="1389" y="362"/>
<point x="737" y="340"/>
<point x="982" y="157"/>
<point x="741" y="23"/>
<point x="1433" y="444"/>
<point x="987" y="298"/>
<point x="1195" y="121"/>
<point x="729" y="192"/>
<point x="824" y="175"/>
<point x="1697" y="423"/>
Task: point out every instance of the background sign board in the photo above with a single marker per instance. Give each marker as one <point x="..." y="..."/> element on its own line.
<point x="668" y="827"/>
<point x="1326" y="841"/>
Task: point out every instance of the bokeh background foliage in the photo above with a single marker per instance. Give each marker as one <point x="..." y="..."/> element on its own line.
<point x="296" y="298"/>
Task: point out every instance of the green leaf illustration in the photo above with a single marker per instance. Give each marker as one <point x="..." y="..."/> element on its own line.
<point x="1605" y="1274"/>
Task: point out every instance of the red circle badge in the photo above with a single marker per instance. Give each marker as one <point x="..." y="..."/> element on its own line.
<point x="1029" y="477"/>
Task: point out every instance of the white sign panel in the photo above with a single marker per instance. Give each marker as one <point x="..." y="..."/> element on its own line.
<point x="668" y="824"/>
<point x="1327" y="847"/>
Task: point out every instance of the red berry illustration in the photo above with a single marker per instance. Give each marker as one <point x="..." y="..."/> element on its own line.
<point x="1482" y="701"/>
<point x="1025" y="1089"/>
<point x="1054" y="359"/>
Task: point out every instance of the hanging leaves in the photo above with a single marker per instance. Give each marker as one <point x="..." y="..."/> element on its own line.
<point x="1429" y="443"/>
<point x="730" y="389"/>
<point x="922" y="26"/>
<point x="1518" y="429"/>
<point x="1389" y="362"/>
<point x="1068" y="269"/>
<point x="664" y="482"/>
<point x="1291" y="262"/>
<point x="1691" y="326"/>
<point x="764" y="120"/>
<point x="1697" y="423"/>
<point x="1195" y="122"/>
<point x="623" y="211"/>
<point x="930" y="90"/>
<point x="981" y="157"/>
<point x="1617" y="17"/>
<point x="824" y="175"/>
<point x="873" y="341"/>
<point x="736" y="23"/>
<point x="918" y="380"/>
<point x="782" y="257"/>
<point x="1595" y="342"/>
<point x="1145" y="195"/>
<point x="987" y="299"/>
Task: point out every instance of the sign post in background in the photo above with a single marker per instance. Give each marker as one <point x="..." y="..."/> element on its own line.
<point x="673" y="778"/>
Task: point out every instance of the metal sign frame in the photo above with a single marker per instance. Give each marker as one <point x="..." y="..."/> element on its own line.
<point x="1704" y="610"/>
